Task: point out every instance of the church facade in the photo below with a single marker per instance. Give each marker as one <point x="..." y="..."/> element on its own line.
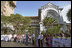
<point x="51" y="10"/>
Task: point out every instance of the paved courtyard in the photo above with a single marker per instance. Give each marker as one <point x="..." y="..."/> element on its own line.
<point x="14" y="44"/>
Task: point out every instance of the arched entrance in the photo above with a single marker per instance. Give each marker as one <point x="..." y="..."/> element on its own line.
<point x="50" y="12"/>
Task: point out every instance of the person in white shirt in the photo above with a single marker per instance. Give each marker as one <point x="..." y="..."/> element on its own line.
<point x="41" y="39"/>
<point x="15" y="37"/>
<point x="6" y="38"/>
<point x="10" y="36"/>
<point x="2" y="37"/>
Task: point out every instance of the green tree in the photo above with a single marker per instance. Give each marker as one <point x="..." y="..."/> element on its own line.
<point x="19" y="19"/>
<point x="69" y="14"/>
<point x="4" y="22"/>
<point x="54" y="30"/>
<point x="19" y="22"/>
<point x="31" y="30"/>
<point x="49" y="23"/>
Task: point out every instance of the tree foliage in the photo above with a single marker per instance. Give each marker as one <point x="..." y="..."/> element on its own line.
<point x="19" y="22"/>
<point x="31" y="30"/>
<point x="49" y="22"/>
<point x="69" y="15"/>
<point x="54" y="30"/>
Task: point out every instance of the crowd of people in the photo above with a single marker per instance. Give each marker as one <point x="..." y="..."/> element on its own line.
<point x="42" y="40"/>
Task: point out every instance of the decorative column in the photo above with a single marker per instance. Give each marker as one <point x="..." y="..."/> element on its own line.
<point x="41" y="27"/>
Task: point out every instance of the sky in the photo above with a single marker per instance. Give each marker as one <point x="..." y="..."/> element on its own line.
<point x="30" y="8"/>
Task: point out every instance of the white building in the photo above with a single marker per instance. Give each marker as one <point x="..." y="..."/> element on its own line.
<point x="51" y="10"/>
<point x="8" y="7"/>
